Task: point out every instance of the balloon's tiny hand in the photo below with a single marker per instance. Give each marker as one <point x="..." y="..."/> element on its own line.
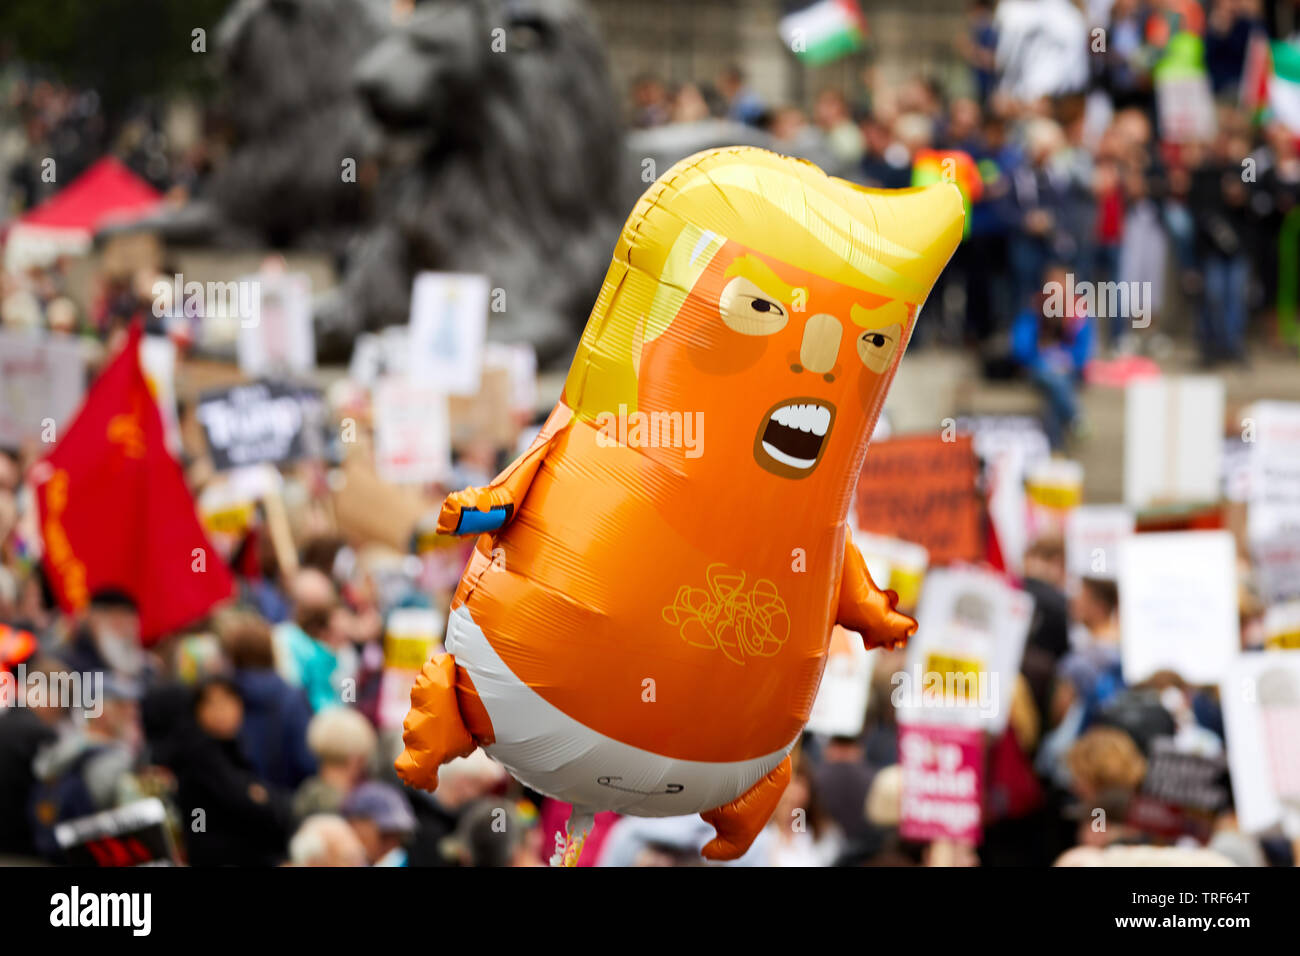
<point x="891" y="628"/>
<point x="475" y="510"/>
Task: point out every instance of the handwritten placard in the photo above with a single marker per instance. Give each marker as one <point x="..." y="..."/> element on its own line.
<point x="42" y="380"/>
<point x="412" y="435"/>
<point x="921" y="488"/>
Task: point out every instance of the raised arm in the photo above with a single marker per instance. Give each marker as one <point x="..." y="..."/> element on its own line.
<point x="491" y="507"/>
<point x="865" y="608"/>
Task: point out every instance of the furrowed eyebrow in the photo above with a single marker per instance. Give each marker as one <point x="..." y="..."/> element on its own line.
<point x="760" y="273"/>
<point x="884" y="312"/>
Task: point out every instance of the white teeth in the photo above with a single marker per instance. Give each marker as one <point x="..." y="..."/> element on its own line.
<point x="821" y="420"/>
<point x="806" y="418"/>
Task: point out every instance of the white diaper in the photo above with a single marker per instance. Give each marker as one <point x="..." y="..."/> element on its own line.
<point x="553" y="753"/>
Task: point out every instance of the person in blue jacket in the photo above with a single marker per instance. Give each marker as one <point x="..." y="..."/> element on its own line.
<point x="1052" y="340"/>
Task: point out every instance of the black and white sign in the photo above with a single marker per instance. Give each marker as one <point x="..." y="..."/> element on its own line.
<point x="265" y="422"/>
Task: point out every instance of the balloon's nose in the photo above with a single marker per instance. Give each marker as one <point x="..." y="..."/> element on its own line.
<point x="821" y="343"/>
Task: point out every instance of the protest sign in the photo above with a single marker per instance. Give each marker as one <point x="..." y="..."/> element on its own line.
<point x="1282" y="626"/>
<point x="264" y="422"/>
<point x="1276" y="559"/>
<point x="278" y="338"/>
<point x="1173" y="441"/>
<point x="1184" y="102"/>
<point x="1008" y="446"/>
<point x="894" y="564"/>
<point x="963" y="661"/>
<point x="1185" y="108"/>
<point x="840" y="707"/>
<point x="395" y="697"/>
<point x="1260" y="694"/>
<point x="132" y="835"/>
<point x="1273" y="509"/>
<point x="994" y="434"/>
<point x="412" y="440"/>
<point x="1178" y="605"/>
<point x="943" y="769"/>
<point x="1181" y="793"/>
<point x="1236" y="468"/>
<point x="42" y="381"/>
<point x="487" y="415"/>
<point x="520" y="365"/>
<point x="1273" y="440"/>
<point x="158" y="361"/>
<point x="1042" y="48"/>
<point x="1092" y="537"/>
<point x="1053" y="488"/>
<point x="448" y="325"/>
<point x="227" y="504"/>
<point x="376" y="355"/>
<point x="412" y="636"/>
<point x="923" y="489"/>
<point x="356" y="487"/>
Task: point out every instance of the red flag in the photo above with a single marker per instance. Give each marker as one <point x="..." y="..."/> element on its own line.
<point x="115" y="512"/>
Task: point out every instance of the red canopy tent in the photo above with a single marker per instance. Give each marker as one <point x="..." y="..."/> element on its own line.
<point x="66" y="222"/>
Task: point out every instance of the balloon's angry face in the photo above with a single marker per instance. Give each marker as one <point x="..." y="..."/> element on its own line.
<point x="788" y="368"/>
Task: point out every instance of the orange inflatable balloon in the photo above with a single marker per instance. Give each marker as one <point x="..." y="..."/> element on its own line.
<point x="643" y="624"/>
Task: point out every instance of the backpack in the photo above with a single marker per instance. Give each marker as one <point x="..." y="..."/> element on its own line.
<point x="65" y="796"/>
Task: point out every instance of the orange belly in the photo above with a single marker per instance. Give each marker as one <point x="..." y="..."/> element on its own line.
<point x="697" y="633"/>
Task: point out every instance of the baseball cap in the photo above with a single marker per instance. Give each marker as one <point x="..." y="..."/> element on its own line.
<point x="382" y="805"/>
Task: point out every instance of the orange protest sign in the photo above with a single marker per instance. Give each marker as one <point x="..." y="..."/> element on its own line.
<point x="922" y="488"/>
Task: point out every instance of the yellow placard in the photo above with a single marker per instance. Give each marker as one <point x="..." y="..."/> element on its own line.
<point x="960" y="675"/>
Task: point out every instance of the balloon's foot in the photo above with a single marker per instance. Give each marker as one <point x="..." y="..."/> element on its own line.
<point x="570" y="840"/>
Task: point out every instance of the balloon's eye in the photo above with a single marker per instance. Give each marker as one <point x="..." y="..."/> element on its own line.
<point x="877" y="346"/>
<point x="749" y="310"/>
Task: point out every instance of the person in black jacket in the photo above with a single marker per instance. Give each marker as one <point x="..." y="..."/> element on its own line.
<point x="23" y="732"/>
<point x="229" y="815"/>
<point x="1218" y="199"/>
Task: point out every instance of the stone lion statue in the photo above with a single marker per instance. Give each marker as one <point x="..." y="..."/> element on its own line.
<point x="503" y="156"/>
<point x="295" y="117"/>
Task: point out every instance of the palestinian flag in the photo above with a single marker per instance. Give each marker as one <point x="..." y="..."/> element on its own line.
<point x="824" y="31"/>
<point x="1253" y="89"/>
<point x="1270" y="81"/>
<point x="1284" y="85"/>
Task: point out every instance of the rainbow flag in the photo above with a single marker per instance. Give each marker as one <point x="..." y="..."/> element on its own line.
<point x="950" y="165"/>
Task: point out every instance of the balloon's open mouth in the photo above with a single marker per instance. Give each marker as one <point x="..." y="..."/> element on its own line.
<point x="792" y="436"/>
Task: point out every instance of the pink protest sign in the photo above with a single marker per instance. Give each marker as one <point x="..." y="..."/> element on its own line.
<point x="943" y="770"/>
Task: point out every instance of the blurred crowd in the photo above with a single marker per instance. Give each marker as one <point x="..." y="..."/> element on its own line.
<point x="262" y="731"/>
<point x="1094" y="184"/>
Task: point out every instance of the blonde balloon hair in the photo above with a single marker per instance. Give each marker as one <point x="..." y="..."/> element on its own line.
<point x="890" y="244"/>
